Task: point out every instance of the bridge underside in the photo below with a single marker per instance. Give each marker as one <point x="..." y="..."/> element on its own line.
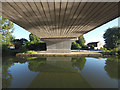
<point x="58" y="23"/>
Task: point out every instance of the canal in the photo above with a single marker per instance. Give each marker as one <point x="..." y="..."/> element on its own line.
<point x="60" y="72"/>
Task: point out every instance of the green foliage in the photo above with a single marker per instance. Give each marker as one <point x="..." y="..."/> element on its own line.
<point x="34" y="39"/>
<point x="6" y="31"/>
<point x="32" y="58"/>
<point x="35" y="43"/>
<point x="79" y="44"/>
<point x="5" y="50"/>
<point x="30" y="52"/>
<point x="35" y="46"/>
<point x="112" y="37"/>
<point x="102" y="48"/>
<point x="8" y="52"/>
<point x="19" y="42"/>
<point x="75" y="45"/>
<point x="81" y="41"/>
<point x="115" y="51"/>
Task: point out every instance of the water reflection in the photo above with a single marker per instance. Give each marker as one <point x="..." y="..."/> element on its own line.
<point x="79" y="63"/>
<point x="34" y="65"/>
<point x="6" y="75"/>
<point x="112" y="67"/>
<point x="57" y="72"/>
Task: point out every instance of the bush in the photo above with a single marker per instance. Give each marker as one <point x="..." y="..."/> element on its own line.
<point x="115" y="51"/>
<point x="35" y="46"/>
<point x="75" y="45"/>
<point x="5" y="51"/>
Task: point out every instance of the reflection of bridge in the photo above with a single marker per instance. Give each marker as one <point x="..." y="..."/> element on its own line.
<point x="58" y="72"/>
<point x="59" y="23"/>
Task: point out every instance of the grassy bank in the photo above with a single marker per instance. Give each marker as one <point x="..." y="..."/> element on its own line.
<point x="115" y="51"/>
<point x="30" y="52"/>
<point x="87" y="52"/>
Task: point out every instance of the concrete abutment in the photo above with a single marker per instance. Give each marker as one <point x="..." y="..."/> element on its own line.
<point x="59" y="45"/>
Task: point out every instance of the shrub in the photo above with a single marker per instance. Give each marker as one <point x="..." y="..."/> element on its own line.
<point x="75" y="45"/>
<point x="35" y="46"/>
<point x="115" y="51"/>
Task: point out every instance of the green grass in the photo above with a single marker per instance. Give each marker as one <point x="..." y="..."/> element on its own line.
<point x="87" y="52"/>
<point x="115" y="51"/>
<point x="30" y="52"/>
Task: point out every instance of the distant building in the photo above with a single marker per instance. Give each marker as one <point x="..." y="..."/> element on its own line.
<point x="95" y="45"/>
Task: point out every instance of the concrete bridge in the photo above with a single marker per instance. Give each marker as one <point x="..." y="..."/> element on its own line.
<point x="59" y="23"/>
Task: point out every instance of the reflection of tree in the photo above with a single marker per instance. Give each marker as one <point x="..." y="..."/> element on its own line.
<point x="20" y="60"/>
<point x="112" y="67"/>
<point x="35" y="64"/>
<point x="6" y="75"/>
<point x="79" y="62"/>
<point x="24" y="59"/>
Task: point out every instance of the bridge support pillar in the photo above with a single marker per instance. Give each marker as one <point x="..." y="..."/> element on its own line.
<point x="58" y="45"/>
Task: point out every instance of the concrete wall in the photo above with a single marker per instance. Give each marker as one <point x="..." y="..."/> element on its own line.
<point x="59" y="46"/>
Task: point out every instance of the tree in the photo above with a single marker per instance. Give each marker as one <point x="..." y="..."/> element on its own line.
<point x="81" y="41"/>
<point x="34" y="39"/>
<point x="112" y="37"/>
<point x="23" y="41"/>
<point x="19" y="42"/>
<point x="75" y="45"/>
<point x="79" y="44"/>
<point x="6" y="30"/>
<point x="35" y="43"/>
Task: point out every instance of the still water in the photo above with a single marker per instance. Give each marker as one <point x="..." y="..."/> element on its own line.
<point x="60" y="72"/>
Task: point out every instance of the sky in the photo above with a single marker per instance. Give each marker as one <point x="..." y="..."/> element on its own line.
<point x="92" y="36"/>
<point x="97" y="34"/>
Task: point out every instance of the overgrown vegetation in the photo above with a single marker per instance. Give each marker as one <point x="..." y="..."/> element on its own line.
<point x="115" y="51"/>
<point x="6" y="35"/>
<point x="35" y="43"/>
<point x="112" y="37"/>
<point x="21" y="45"/>
<point x="112" y="40"/>
<point x="79" y="44"/>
